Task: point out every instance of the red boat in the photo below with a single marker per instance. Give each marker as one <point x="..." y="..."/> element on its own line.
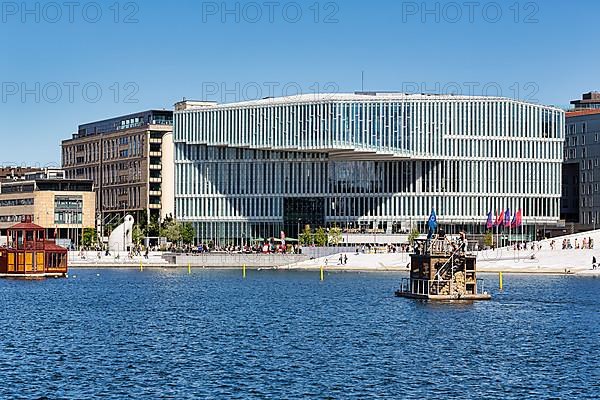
<point x="28" y="254"/>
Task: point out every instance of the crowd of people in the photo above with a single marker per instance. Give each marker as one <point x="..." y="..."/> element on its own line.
<point x="266" y="248"/>
<point x="586" y="243"/>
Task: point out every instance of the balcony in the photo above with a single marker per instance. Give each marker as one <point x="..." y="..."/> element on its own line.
<point x="154" y="206"/>
<point x="156" y="140"/>
<point x="155" y="180"/>
<point x="156" y="193"/>
<point x="155" y="167"/>
<point x="156" y="154"/>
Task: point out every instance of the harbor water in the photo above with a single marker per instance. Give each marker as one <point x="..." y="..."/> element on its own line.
<point x="287" y="335"/>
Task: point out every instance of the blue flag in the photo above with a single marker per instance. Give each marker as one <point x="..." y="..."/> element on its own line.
<point x="432" y="223"/>
<point x="490" y="221"/>
<point x="507" y="217"/>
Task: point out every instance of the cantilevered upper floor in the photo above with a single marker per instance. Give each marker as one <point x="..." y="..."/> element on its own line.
<point x="378" y="126"/>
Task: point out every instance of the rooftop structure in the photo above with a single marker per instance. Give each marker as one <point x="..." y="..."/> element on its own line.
<point x="589" y="100"/>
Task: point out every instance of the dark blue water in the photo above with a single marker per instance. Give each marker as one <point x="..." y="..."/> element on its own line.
<point x="285" y="335"/>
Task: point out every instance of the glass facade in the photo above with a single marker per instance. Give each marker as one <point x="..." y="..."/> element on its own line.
<point x="68" y="210"/>
<point x="365" y="162"/>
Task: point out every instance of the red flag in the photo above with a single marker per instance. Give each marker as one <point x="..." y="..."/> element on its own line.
<point x="518" y="219"/>
<point x="499" y="218"/>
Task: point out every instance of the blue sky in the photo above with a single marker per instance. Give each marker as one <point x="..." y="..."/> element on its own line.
<point x="150" y="54"/>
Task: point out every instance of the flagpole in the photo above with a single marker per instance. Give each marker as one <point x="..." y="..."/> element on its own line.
<point x="497" y="229"/>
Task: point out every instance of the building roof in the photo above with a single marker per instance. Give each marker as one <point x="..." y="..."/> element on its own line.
<point x="26" y="226"/>
<point x="588" y="98"/>
<point x="349" y="97"/>
<point x="579" y="113"/>
<point x="52" y="246"/>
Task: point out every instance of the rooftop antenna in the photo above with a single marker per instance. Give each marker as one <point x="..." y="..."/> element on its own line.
<point x="362" y="81"/>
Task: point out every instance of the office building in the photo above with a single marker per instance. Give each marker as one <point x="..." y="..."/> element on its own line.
<point x="63" y="207"/>
<point x="130" y="161"/>
<point x="581" y="177"/>
<point x="365" y="162"/>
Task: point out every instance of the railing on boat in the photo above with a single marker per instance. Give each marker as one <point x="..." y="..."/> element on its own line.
<point x="433" y="287"/>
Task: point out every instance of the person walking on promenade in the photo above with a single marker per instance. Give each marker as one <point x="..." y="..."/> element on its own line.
<point x="341" y="260"/>
<point x="345" y="259"/>
<point x="594" y="264"/>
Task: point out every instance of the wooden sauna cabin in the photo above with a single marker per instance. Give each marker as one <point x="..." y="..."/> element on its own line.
<point x="28" y="254"/>
<point x="441" y="269"/>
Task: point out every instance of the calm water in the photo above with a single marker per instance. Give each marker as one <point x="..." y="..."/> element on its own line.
<point x="282" y="335"/>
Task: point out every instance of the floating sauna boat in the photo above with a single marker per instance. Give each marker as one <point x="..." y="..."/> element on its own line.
<point x="29" y="254"/>
<point x="441" y="270"/>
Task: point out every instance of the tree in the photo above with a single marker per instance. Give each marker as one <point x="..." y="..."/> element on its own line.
<point x="187" y="233"/>
<point x="321" y="237"/>
<point x="153" y="228"/>
<point x="306" y="237"/>
<point x="335" y="236"/>
<point x="172" y="231"/>
<point x="89" y="237"/>
<point x="137" y="234"/>
<point x="488" y="239"/>
<point x="413" y="235"/>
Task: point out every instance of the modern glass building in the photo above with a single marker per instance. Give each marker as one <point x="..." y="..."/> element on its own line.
<point x="366" y="162"/>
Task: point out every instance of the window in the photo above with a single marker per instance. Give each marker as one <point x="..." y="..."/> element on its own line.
<point x="68" y="209"/>
<point x="16" y="202"/>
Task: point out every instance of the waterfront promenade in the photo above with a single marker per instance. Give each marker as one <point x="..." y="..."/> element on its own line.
<point x="544" y="259"/>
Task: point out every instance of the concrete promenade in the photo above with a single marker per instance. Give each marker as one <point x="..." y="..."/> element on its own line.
<point x="507" y="259"/>
<point x="166" y="260"/>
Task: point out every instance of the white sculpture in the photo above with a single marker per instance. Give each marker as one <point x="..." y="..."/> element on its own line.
<point x="121" y="238"/>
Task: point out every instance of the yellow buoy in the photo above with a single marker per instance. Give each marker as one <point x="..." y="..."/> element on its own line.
<point x="141" y="266"/>
<point x="244" y="271"/>
<point x="501" y="283"/>
<point x="189" y="268"/>
<point x="322" y="273"/>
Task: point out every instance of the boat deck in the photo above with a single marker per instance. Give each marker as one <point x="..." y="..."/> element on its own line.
<point x="444" y="297"/>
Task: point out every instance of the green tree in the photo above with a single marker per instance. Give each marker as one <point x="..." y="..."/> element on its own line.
<point x="488" y="239"/>
<point x="172" y="231"/>
<point x="306" y="237"/>
<point x="321" y="237"/>
<point x="142" y="221"/>
<point x="89" y="237"/>
<point x="187" y="233"/>
<point x="413" y="235"/>
<point x="153" y="228"/>
<point x="137" y="234"/>
<point x="335" y="236"/>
